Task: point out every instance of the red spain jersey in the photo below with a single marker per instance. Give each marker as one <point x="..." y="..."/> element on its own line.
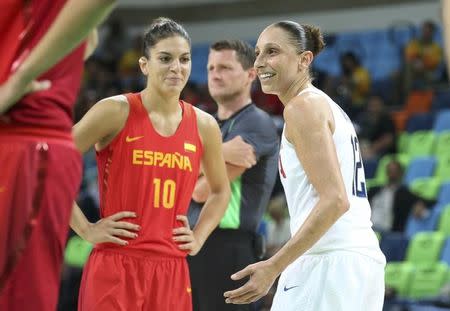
<point x="23" y="23"/>
<point x="152" y="175"/>
<point x="12" y="25"/>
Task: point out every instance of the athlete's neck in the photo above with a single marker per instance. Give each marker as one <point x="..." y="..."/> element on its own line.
<point x="296" y="87"/>
<point x="227" y="107"/>
<point x="154" y="101"/>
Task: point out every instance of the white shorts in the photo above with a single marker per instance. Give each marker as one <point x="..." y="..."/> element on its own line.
<point x="335" y="281"/>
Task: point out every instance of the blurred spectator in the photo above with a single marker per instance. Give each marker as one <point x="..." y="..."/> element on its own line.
<point x="85" y="100"/>
<point x="393" y="203"/>
<point x="267" y="102"/>
<point x="422" y="58"/>
<point x="128" y="64"/>
<point x="115" y="41"/>
<point x="354" y="85"/>
<point x="200" y="94"/>
<point x="278" y="228"/>
<point x="322" y="80"/>
<point x="376" y="130"/>
<point x="190" y="94"/>
<point x="129" y="72"/>
<point x="99" y="78"/>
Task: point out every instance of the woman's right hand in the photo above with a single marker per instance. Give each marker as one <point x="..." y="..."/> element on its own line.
<point x="111" y="230"/>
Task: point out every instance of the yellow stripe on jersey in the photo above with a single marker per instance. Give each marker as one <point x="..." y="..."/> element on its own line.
<point x="190" y="147"/>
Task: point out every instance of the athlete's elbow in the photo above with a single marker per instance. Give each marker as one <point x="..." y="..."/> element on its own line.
<point x="199" y="196"/>
<point x="338" y="202"/>
<point x="342" y="203"/>
<point x="201" y="191"/>
<point x="222" y="194"/>
<point x="221" y="199"/>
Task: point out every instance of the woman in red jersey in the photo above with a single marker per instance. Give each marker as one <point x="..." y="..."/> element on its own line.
<point x="40" y="168"/>
<point x="149" y="149"/>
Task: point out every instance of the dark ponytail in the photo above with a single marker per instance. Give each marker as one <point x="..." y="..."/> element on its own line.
<point x="314" y="38"/>
<point x="303" y="37"/>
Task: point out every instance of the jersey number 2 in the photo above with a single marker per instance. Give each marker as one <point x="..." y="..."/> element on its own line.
<point x="168" y="193"/>
<point x="359" y="185"/>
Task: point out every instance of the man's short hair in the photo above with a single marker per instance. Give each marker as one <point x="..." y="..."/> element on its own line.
<point x="244" y="51"/>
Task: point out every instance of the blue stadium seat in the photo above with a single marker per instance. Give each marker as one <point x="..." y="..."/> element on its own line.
<point x="417" y="307"/>
<point x="199" y="62"/>
<point x="420" y="167"/>
<point x="327" y="62"/>
<point x="381" y="58"/>
<point x="351" y="41"/>
<point x="394" y="245"/>
<point x="401" y="33"/>
<point x="420" y="122"/>
<point x="380" y="69"/>
<point x="415" y="225"/>
<point x="441" y="100"/>
<point x="370" y="167"/>
<point x="445" y="254"/>
<point x="444" y="194"/>
<point x="442" y="122"/>
<point x="383" y="87"/>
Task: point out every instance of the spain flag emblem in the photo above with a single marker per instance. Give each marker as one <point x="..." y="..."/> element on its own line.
<point x="190" y="147"/>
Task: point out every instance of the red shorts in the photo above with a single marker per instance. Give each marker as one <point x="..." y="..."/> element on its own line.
<point x="39" y="179"/>
<point x="116" y="281"/>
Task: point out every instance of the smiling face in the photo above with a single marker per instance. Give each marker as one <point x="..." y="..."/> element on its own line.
<point x="168" y="65"/>
<point x="276" y="60"/>
<point x="278" y="64"/>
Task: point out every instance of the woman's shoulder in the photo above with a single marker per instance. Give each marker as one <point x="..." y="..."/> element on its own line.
<point x="117" y="105"/>
<point x="113" y="110"/>
<point x="204" y="119"/>
<point x="307" y="103"/>
<point x="307" y="111"/>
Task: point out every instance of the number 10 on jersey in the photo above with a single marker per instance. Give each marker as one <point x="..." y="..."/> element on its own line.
<point x="167" y="197"/>
<point x="359" y="184"/>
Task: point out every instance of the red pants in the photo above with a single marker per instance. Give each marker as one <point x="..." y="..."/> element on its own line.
<point x="39" y="179"/>
<point x="116" y="281"/>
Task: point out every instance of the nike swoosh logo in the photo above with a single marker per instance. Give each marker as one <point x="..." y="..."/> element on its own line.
<point x="129" y="139"/>
<point x="289" y="288"/>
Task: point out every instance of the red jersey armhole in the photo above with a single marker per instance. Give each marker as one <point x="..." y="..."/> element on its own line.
<point x="190" y="112"/>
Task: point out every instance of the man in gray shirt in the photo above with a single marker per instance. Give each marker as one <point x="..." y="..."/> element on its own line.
<point x="251" y="152"/>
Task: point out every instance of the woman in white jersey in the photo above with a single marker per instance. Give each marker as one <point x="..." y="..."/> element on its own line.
<point x="333" y="261"/>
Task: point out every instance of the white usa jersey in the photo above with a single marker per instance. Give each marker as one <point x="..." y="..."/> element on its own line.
<point x="353" y="230"/>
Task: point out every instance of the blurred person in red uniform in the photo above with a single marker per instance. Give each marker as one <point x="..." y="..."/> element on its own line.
<point x="40" y="166"/>
<point x="149" y="149"/>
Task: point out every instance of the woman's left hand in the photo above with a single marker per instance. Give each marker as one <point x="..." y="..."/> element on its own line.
<point x="185" y="237"/>
<point x="262" y="275"/>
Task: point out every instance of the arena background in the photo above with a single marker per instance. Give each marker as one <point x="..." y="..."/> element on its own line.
<point x="377" y="32"/>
